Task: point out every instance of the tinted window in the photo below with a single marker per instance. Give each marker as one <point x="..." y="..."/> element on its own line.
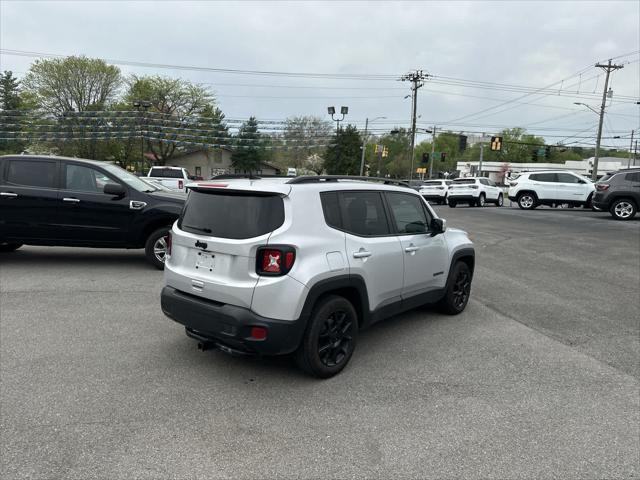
<point x="84" y="179"/>
<point x="408" y="213"/>
<point x="632" y="177"/>
<point x="484" y="181"/>
<point x="470" y="181"/>
<point x="32" y="173"/>
<point x="166" y="173"/>
<point x="331" y="209"/>
<point x="433" y="182"/>
<point x="231" y="215"/>
<point x="363" y="213"/>
<point x="567" y="178"/>
<point x="543" y="177"/>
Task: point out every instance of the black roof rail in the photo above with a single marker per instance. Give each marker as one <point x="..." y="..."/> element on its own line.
<point x="229" y="176"/>
<point x="335" y="178"/>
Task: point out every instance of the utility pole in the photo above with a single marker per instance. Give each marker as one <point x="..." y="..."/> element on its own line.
<point x="479" y="174"/>
<point x="364" y="145"/>
<point x="433" y="151"/>
<point x="630" y="150"/>
<point x="416" y="78"/>
<point x="608" y="68"/>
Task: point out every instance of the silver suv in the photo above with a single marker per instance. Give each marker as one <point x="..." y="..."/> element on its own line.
<point x="278" y="266"/>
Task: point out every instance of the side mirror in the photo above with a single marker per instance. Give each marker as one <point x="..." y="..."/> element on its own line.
<point x="438" y="225"/>
<point x="114" y="189"/>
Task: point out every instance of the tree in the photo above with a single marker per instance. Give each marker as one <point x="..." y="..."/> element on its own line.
<point x="302" y="136"/>
<point x="178" y="102"/>
<point x="249" y="151"/>
<point x="343" y="157"/>
<point x="9" y="91"/>
<point x="69" y="84"/>
<point x="10" y="100"/>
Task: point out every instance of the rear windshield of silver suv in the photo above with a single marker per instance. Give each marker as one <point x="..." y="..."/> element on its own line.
<point x="235" y="215"/>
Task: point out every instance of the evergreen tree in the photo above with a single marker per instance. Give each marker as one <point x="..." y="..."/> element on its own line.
<point x="343" y="157"/>
<point x="249" y="150"/>
<point x="9" y="91"/>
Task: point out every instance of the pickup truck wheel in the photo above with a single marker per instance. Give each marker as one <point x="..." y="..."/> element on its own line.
<point x="330" y="338"/>
<point x="156" y="247"/>
<point x="623" y="209"/>
<point x="9" y="247"/>
<point x="458" y="290"/>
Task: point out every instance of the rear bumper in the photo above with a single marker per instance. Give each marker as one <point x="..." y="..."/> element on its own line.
<point x="229" y="325"/>
<point x="462" y="198"/>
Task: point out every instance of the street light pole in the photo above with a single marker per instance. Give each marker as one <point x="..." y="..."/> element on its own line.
<point x="433" y="152"/>
<point x="364" y="142"/>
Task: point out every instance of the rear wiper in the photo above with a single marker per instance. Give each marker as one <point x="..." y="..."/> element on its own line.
<point x="202" y="229"/>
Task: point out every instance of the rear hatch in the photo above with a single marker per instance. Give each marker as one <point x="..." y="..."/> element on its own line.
<point x="464" y="186"/>
<point x="215" y="240"/>
<point x="432" y="188"/>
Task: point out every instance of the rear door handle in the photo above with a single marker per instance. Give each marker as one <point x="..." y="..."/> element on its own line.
<point x="361" y="254"/>
<point x="411" y="249"/>
<point x="8" y="194"/>
<point x="71" y="200"/>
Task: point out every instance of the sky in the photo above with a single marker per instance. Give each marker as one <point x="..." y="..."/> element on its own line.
<point x="466" y="47"/>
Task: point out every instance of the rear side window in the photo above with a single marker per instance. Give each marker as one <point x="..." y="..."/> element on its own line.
<point x="363" y="213"/>
<point x="567" y="178"/>
<point x="32" y="173"/>
<point x="234" y="215"/>
<point x="543" y="177"/>
<point x="632" y="177"/>
<point x="331" y="209"/>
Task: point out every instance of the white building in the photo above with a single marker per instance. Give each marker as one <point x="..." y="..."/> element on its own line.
<point x="496" y="170"/>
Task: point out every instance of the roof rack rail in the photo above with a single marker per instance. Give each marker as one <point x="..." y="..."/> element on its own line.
<point x="229" y="176"/>
<point x="335" y="178"/>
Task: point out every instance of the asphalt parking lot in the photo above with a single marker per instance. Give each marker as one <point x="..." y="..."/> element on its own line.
<point x="538" y="378"/>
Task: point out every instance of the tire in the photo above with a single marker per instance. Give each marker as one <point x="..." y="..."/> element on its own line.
<point x="587" y="204"/>
<point x="9" y="247"/>
<point x="155" y="247"/>
<point x="623" y="209"/>
<point x="500" y="201"/>
<point x="446" y="200"/>
<point x="458" y="290"/>
<point x="452" y="204"/>
<point x="527" y="201"/>
<point x="481" y="200"/>
<point x="332" y="329"/>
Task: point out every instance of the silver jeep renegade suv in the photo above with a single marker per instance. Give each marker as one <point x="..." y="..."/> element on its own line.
<point x="278" y="266"/>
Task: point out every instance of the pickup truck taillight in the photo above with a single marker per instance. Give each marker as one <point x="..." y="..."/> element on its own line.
<point x="180" y="184"/>
<point x="601" y="187"/>
<point x="275" y="261"/>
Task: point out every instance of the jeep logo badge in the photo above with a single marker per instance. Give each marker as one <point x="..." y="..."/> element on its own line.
<point x="201" y="245"/>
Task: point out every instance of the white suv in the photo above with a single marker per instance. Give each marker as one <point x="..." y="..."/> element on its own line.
<point x="475" y="191"/>
<point x="435" y="190"/>
<point x="275" y="266"/>
<point x="531" y="189"/>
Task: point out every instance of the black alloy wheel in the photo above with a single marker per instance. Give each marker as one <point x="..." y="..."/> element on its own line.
<point x="330" y="337"/>
<point x="458" y="290"/>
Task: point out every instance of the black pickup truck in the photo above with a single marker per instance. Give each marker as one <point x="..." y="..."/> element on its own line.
<point x="60" y="201"/>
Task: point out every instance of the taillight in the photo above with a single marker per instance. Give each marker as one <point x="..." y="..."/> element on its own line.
<point x="168" y="240"/>
<point x="440" y="188"/>
<point x="601" y="187"/>
<point x="258" y="333"/>
<point x="276" y="260"/>
<point x="474" y="186"/>
<point x="513" y="184"/>
<point x="180" y="184"/>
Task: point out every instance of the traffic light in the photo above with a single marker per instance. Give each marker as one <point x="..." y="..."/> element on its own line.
<point x="496" y="144"/>
<point x="425" y="157"/>
<point x="547" y="152"/>
<point x="443" y="156"/>
<point x="534" y="155"/>
<point x="462" y="143"/>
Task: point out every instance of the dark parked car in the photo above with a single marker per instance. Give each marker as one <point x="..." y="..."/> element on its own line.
<point x="59" y="201"/>
<point x="619" y="193"/>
